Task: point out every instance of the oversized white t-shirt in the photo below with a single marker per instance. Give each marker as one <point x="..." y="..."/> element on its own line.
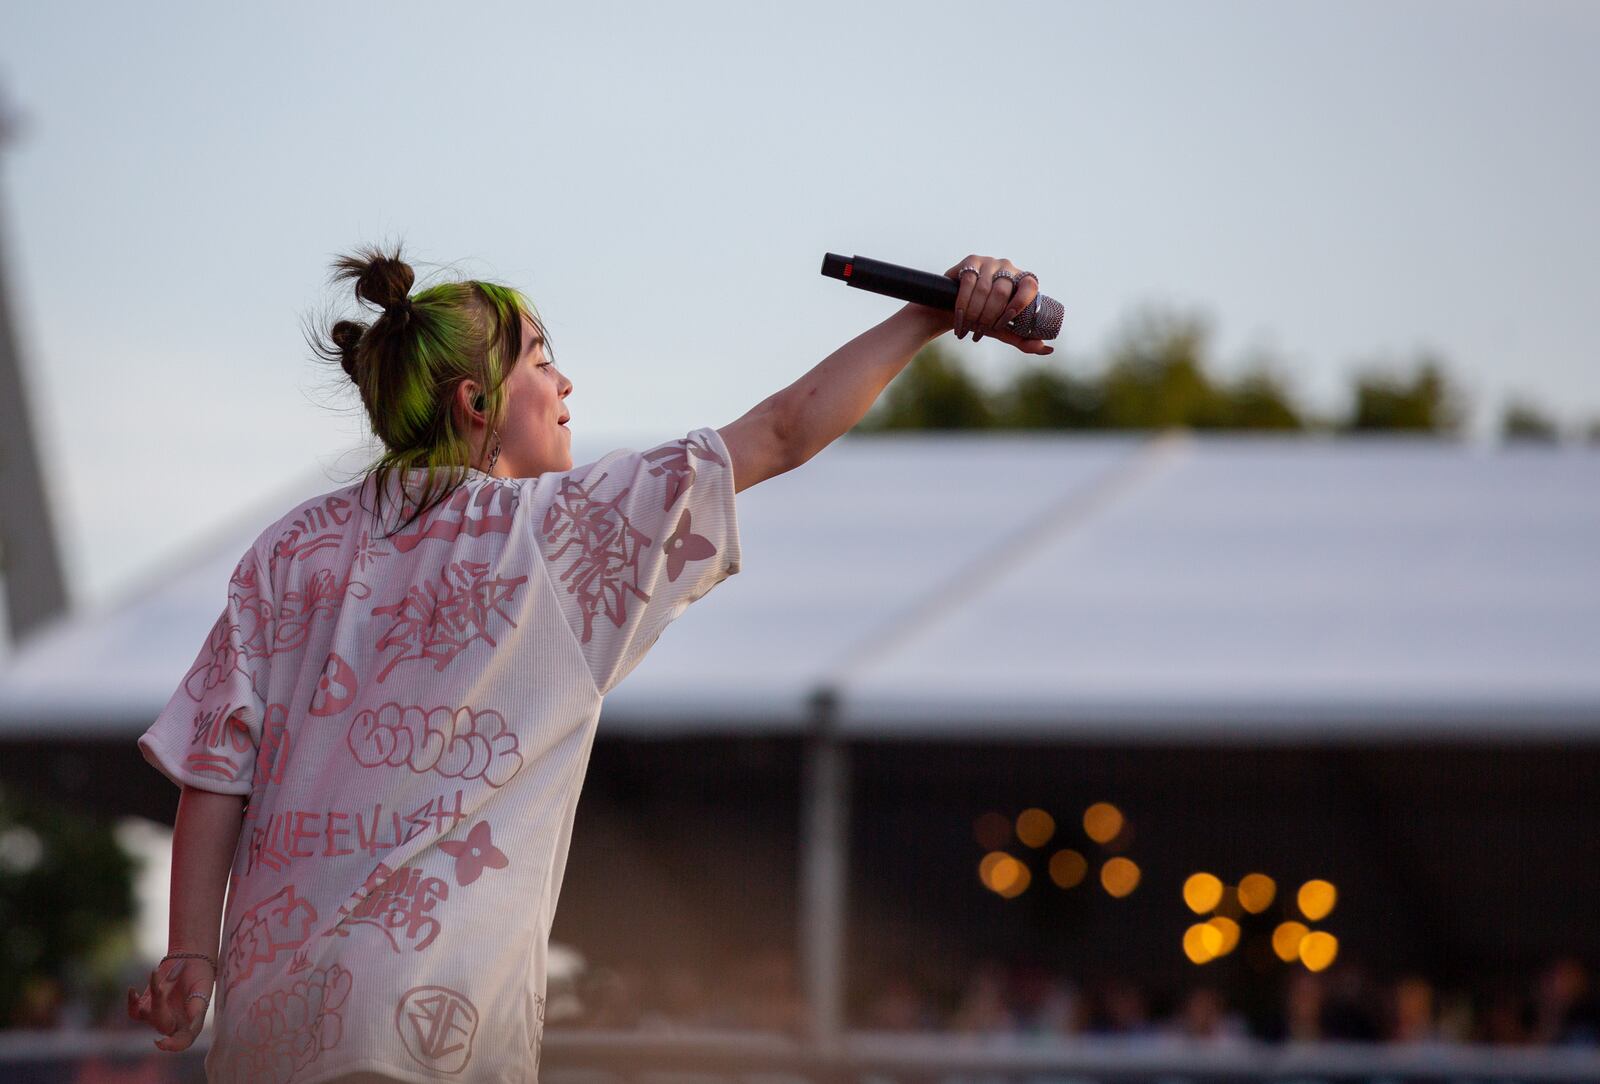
<point x="411" y="718"/>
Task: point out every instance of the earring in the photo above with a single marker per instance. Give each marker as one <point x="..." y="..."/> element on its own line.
<point x="494" y="455"/>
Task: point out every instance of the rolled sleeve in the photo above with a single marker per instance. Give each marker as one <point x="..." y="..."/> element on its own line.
<point x="208" y="734"/>
<point x="633" y="539"/>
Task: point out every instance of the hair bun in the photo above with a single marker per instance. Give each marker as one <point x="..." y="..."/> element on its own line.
<point x="346" y="335"/>
<point x="382" y="278"/>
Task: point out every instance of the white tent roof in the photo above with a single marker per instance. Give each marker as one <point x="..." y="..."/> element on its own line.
<point x="1189" y="586"/>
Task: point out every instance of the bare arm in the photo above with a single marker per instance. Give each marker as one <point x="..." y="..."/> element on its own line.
<point x="788" y="428"/>
<point x="203" y="844"/>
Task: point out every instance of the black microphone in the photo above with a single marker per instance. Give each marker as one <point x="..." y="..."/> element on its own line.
<point x="1040" y="320"/>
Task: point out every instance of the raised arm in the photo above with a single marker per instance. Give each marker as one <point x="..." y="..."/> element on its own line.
<point x="788" y="428"/>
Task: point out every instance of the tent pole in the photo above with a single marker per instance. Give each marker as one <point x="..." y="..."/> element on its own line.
<point x="823" y="859"/>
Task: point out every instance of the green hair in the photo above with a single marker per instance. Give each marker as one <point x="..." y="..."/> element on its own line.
<point x="409" y="362"/>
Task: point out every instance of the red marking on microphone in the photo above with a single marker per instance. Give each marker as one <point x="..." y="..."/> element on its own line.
<point x="848" y="268"/>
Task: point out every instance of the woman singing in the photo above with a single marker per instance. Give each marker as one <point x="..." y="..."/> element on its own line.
<point x="382" y="741"/>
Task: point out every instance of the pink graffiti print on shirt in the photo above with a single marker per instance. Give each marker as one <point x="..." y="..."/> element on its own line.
<point x="685" y="546"/>
<point x="227" y="736"/>
<point x="437" y="1025"/>
<point x="474" y="854"/>
<point x="393" y="900"/>
<point x="277" y="924"/>
<point x="289" y="834"/>
<point x="316" y="528"/>
<point x="222" y="655"/>
<point x="272" y="756"/>
<point x="457" y="743"/>
<point x="319" y="597"/>
<point x="605" y="569"/>
<point x="229" y="644"/>
<point x="491" y="509"/>
<point x="256" y="615"/>
<point x="368" y="550"/>
<point x="438" y="622"/>
<point x="264" y="630"/>
<point x="286" y="1029"/>
<point x="336" y="687"/>
<point x="672" y="460"/>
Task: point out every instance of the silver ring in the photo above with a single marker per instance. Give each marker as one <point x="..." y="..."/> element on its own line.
<point x="1004" y="274"/>
<point x="203" y="997"/>
<point x="965" y="269"/>
<point x="1028" y="275"/>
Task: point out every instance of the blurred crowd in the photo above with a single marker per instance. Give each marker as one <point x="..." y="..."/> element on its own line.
<point x="1559" y="1006"/>
<point x="761" y="991"/>
<point x="752" y="991"/>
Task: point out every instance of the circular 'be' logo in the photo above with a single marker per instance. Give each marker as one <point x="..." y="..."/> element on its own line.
<point x="436" y="1025"/>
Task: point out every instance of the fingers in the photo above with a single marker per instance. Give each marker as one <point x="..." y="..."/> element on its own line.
<point x="968" y="285"/>
<point x="995" y="302"/>
<point x="165" y="1015"/>
<point x="135" y="1006"/>
<point x="179" y="1021"/>
<point x="183" y="1036"/>
<point x="968" y="315"/>
<point x="985" y="304"/>
<point x="1027" y="346"/>
<point x="139" y="1006"/>
<point x="1026" y="290"/>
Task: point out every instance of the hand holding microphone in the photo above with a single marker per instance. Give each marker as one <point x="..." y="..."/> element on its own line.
<point x="985" y="295"/>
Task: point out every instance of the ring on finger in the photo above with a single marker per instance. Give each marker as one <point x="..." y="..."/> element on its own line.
<point x="1012" y="277"/>
<point x="968" y="267"/>
<point x="1016" y="284"/>
<point x="1000" y="274"/>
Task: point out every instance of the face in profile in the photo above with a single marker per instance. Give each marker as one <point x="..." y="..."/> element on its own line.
<point x="534" y="438"/>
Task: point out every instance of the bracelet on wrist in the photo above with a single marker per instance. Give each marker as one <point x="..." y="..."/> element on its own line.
<point x="190" y="956"/>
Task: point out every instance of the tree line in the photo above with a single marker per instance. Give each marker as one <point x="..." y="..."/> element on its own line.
<point x="1156" y="375"/>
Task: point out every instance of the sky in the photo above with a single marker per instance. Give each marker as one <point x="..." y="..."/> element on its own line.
<point x="1334" y="186"/>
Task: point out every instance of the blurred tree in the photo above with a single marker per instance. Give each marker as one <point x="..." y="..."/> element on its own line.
<point x="1594" y="431"/>
<point x="66" y="906"/>
<point x="1427" y="402"/>
<point x="1040" y="397"/>
<point x="933" y="392"/>
<point x="1259" y="399"/>
<point x="1156" y="375"/>
<point x="1522" y="420"/>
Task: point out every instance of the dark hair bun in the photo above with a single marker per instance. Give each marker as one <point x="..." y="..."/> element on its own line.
<point x="382" y="278"/>
<point x="346" y="336"/>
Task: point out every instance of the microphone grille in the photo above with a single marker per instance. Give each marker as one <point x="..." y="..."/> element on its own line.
<point x="1040" y="320"/>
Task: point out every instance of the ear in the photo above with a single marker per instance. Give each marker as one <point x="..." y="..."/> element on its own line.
<point x="465" y="402"/>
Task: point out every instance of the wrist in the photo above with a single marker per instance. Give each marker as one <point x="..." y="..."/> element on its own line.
<point x="192" y="954"/>
<point x="928" y="322"/>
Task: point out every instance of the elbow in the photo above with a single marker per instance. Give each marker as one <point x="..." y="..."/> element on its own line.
<point x="787" y="441"/>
